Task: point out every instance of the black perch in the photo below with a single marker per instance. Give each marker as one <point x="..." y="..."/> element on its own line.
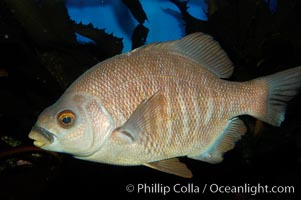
<point x="40" y="57"/>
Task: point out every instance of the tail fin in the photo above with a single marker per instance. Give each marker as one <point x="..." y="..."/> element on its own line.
<point x="282" y="86"/>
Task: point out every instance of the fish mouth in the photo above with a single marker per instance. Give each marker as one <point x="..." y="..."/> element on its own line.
<point x="41" y="136"/>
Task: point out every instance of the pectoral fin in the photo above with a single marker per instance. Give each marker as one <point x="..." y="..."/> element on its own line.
<point x="171" y="166"/>
<point x="142" y="120"/>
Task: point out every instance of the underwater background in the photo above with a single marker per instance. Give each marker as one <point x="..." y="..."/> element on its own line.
<point x="46" y="44"/>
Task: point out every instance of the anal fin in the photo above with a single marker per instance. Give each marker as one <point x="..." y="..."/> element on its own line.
<point x="226" y="141"/>
<point x="171" y="166"/>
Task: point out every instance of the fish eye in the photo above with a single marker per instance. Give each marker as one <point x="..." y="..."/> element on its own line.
<point x="66" y="118"/>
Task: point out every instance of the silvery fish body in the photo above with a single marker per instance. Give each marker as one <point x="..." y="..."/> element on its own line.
<point x="159" y="102"/>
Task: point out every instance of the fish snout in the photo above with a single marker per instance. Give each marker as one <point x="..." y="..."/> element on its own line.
<point x="41" y="136"/>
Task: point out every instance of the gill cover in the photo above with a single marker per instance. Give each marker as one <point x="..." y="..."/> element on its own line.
<point x="94" y="122"/>
<point x="101" y="123"/>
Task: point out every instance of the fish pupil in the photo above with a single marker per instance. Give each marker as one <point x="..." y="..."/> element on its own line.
<point x="66" y="120"/>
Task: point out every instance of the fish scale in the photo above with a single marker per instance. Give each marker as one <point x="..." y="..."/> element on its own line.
<point x="159" y="102"/>
<point x="153" y="80"/>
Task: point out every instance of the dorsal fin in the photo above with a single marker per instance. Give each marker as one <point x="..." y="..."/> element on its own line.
<point x="226" y="141"/>
<point x="201" y="48"/>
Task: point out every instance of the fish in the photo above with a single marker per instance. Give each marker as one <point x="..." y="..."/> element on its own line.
<point x="161" y="102"/>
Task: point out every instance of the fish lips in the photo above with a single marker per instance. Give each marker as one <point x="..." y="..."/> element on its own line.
<point x="41" y="136"/>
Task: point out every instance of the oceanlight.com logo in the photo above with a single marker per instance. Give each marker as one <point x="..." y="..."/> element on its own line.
<point x="190" y="188"/>
<point x="251" y="189"/>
